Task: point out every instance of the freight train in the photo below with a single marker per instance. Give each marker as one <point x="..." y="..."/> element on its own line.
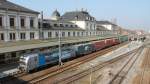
<point x="36" y="60"/>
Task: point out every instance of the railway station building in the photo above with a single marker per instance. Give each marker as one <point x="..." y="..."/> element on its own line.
<point x="20" y="30"/>
<point x="72" y="24"/>
<point x="17" y="22"/>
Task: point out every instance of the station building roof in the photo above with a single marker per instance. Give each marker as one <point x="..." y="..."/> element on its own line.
<point x="105" y="23"/>
<point x="101" y="28"/>
<point x="77" y="15"/>
<point x="64" y="28"/>
<point x="33" y="44"/>
<point x="7" y="5"/>
<point x="49" y="24"/>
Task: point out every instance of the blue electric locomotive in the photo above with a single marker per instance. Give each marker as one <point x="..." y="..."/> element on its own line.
<point x="32" y="61"/>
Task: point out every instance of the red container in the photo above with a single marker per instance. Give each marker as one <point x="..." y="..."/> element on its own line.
<point x="98" y="45"/>
<point x="116" y="41"/>
<point x="109" y="42"/>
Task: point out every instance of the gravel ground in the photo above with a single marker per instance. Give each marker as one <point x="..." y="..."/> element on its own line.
<point x="134" y="70"/>
<point x="143" y="70"/>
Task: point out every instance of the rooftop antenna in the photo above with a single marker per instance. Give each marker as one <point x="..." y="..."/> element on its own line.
<point x="82" y="9"/>
<point x="86" y="10"/>
<point x="114" y="20"/>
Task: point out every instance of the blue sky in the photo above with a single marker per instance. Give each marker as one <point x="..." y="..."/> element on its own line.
<point x="131" y="14"/>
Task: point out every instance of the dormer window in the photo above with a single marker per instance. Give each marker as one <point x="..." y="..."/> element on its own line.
<point x="76" y="26"/>
<point x="61" y="25"/>
<point x="71" y="25"/>
<point x="66" y="25"/>
<point x="55" y="25"/>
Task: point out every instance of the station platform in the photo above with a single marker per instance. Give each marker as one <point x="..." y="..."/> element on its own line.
<point x="6" y="70"/>
<point x="24" y="45"/>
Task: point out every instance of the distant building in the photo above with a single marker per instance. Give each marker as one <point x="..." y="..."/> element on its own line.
<point x="55" y="15"/>
<point x="17" y="22"/>
<point x="71" y="24"/>
<point x="81" y="18"/>
<point x="51" y="29"/>
<point x="107" y="24"/>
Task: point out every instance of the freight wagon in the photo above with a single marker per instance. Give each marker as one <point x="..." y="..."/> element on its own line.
<point x="98" y="45"/>
<point x="83" y="49"/>
<point x="109" y="42"/>
<point x="123" y="38"/>
<point x="116" y="41"/>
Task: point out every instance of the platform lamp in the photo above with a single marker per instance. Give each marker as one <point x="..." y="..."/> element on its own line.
<point x="41" y="27"/>
<point x="60" y="53"/>
<point x="91" y="72"/>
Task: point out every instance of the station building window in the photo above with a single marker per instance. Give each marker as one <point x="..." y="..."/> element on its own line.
<point x="78" y="33"/>
<point x="55" y="25"/>
<point x="22" y="21"/>
<point x="82" y="33"/>
<point x="12" y="36"/>
<point x="1" y="36"/>
<point x="22" y="36"/>
<point x="91" y="27"/>
<point x="1" y="21"/>
<point x="32" y="22"/>
<point x="90" y="33"/>
<point x="49" y="34"/>
<point x="63" y="34"/>
<point x="31" y="35"/>
<point x="69" y="34"/>
<point x="86" y="33"/>
<point x="2" y="58"/>
<point x="12" y="21"/>
<point x="56" y="34"/>
<point x="74" y="33"/>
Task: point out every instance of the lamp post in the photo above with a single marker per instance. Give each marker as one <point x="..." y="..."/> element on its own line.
<point x="41" y="26"/>
<point x="60" y="53"/>
<point x="91" y="71"/>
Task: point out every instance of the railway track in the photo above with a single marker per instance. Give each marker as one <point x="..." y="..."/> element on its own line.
<point x="146" y="66"/>
<point x="84" y="73"/>
<point x="120" y="76"/>
<point x="65" y="68"/>
<point x="33" y="78"/>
